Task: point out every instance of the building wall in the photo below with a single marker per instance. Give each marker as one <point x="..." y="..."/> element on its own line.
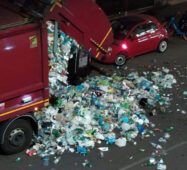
<point x="172" y="2"/>
<point x="117" y="7"/>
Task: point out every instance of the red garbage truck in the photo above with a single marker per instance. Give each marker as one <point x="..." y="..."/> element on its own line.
<point x="24" y="58"/>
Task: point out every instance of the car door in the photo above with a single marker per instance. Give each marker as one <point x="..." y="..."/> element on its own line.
<point x="140" y="40"/>
<point x="154" y="35"/>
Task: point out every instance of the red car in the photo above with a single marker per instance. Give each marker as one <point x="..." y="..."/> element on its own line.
<point x="135" y="35"/>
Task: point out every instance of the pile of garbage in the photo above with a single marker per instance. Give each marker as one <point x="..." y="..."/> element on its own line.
<point x="101" y="109"/>
<point x="59" y="58"/>
<point x="159" y="151"/>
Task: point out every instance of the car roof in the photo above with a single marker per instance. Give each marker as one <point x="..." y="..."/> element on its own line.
<point x="148" y="17"/>
<point x="131" y="19"/>
<point x="134" y="19"/>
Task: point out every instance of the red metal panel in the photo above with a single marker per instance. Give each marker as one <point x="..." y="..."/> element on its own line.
<point x="24" y="69"/>
<point x="21" y="63"/>
<point x="45" y="66"/>
<point x="84" y="21"/>
<point x="22" y="110"/>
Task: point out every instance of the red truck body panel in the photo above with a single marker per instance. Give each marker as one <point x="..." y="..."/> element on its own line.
<point x="23" y="65"/>
<point x="85" y="22"/>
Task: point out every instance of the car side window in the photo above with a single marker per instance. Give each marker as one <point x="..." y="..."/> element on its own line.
<point x="151" y="27"/>
<point x="140" y="30"/>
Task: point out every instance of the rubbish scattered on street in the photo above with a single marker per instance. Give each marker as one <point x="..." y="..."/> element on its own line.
<point x="31" y="152"/>
<point x="152" y="161"/>
<point x="131" y="157"/>
<point x="156" y="156"/>
<point x="142" y="150"/>
<point x="82" y="150"/>
<point x="87" y="163"/>
<point x="121" y="142"/>
<point x="102" y="154"/>
<point x="93" y="111"/>
<point x="161" y="165"/>
<point x="169" y="129"/>
<point x="18" y="159"/>
<point x="57" y="159"/>
<point x="166" y="135"/>
<point x="101" y="109"/>
<point x="183" y="112"/>
<point x="45" y="161"/>
<point x="103" y="149"/>
<point x="185" y="93"/>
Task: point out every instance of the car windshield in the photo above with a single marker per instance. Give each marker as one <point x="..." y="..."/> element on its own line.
<point x="122" y="26"/>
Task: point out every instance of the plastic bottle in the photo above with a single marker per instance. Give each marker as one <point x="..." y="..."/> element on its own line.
<point x="46" y="161"/>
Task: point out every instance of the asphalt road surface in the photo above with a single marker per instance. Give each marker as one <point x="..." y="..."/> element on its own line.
<point x="130" y="157"/>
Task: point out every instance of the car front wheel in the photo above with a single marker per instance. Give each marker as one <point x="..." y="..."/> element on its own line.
<point x="162" y="47"/>
<point x="120" y="60"/>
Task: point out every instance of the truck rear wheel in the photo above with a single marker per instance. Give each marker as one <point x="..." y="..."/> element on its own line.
<point x="17" y="136"/>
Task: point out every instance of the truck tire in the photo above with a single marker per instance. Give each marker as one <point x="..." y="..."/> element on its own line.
<point x="17" y="137"/>
<point x="120" y="60"/>
<point x="162" y="46"/>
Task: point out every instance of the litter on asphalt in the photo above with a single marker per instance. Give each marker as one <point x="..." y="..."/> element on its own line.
<point x="101" y="109"/>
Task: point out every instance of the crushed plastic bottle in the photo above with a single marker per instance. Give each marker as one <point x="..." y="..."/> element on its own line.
<point x="121" y="142"/>
<point x="185" y="93"/>
<point x="110" y="139"/>
<point x="18" y="159"/>
<point x="161" y="165"/>
<point x="152" y="161"/>
<point x="56" y="161"/>
<point x="82" y="150"/>
<point x="169" y="129"/>
<point x="45" y="161"/>
<point x="87" y="163"/>
<point x="103" y="149"/>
